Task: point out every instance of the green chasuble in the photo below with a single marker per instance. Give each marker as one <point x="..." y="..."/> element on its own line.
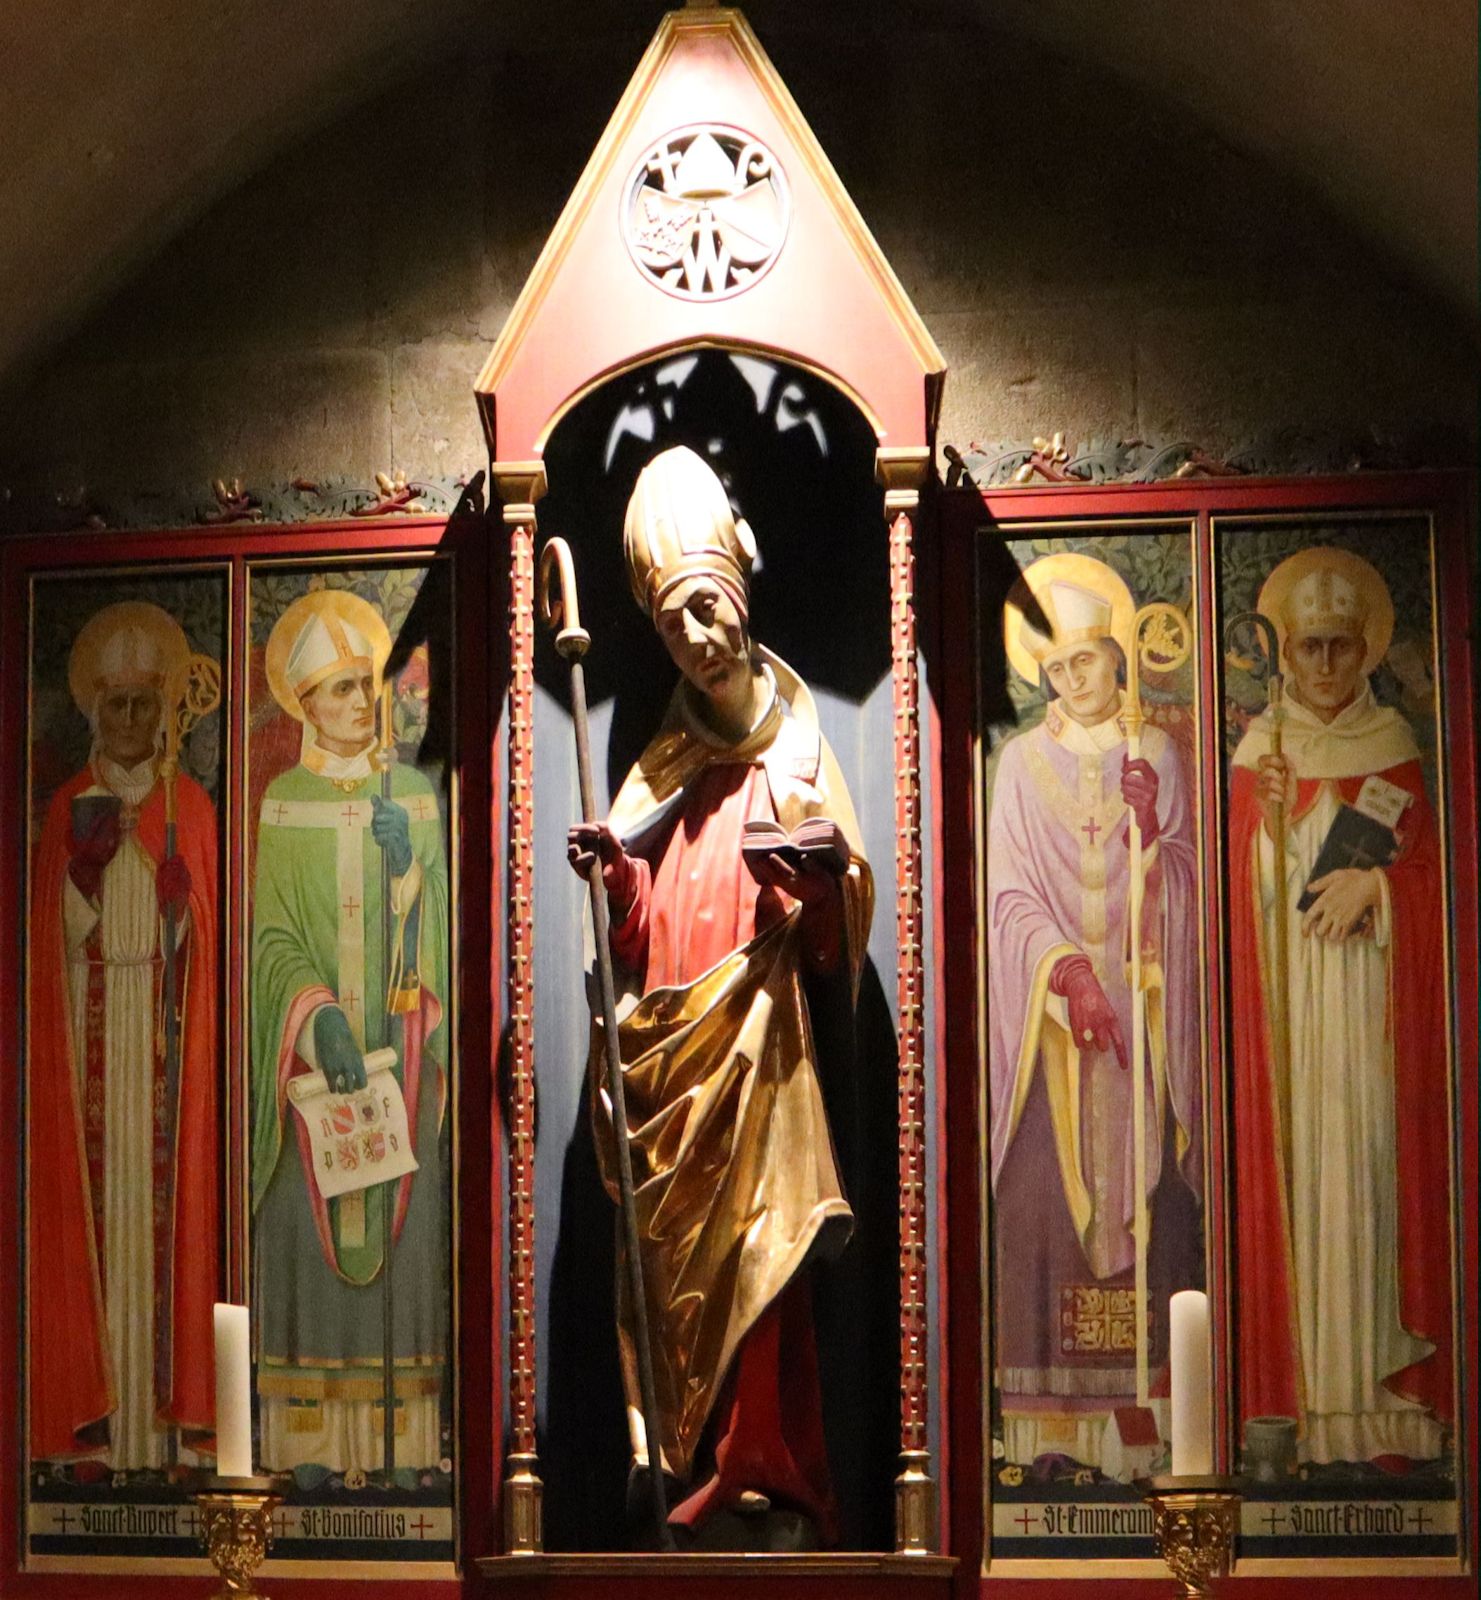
<point x="317" y="926"/>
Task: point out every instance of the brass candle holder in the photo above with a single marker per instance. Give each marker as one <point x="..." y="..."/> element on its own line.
<point x="237" y="1528"/>
<point x="1195" y="1523"/>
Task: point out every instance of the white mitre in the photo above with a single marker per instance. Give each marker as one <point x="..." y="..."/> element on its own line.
<point x="1075" y="615"/>
<point x="1364" y="737"/>
<point x="1324" y="601"/>
<point x="130" y="657"/>
<point x="325" y="645"/>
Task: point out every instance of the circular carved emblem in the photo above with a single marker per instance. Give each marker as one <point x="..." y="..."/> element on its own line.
<point x="705" y="212"/>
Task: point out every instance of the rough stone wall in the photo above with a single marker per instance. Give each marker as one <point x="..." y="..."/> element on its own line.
<point x="1087" y="260"/>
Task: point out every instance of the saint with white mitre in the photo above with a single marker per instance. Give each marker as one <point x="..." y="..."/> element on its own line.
<point x="124" y="1142"/>
<point x="349" y="956"/>
<point x="1342" y="1201"/>
<point x="1061" y="1033"/>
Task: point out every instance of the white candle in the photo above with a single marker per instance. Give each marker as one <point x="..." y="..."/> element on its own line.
<point x="1192" y="1421"/>
<point x="233" y="1392"/>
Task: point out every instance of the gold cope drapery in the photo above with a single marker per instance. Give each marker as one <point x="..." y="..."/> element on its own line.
<point x="736" y="1181"/>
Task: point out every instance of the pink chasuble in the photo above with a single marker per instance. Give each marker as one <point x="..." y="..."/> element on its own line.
<point x="1063" y="1173"/>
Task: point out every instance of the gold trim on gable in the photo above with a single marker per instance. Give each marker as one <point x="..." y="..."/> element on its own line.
<point x="701" y="21"/>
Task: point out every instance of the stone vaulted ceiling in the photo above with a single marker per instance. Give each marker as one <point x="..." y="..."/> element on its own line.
<point x="121" y="120"/>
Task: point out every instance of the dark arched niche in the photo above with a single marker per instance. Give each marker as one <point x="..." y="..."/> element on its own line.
<point x="798" y="462"/>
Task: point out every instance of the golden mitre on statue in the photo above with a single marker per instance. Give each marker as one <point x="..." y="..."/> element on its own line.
<point x="1062" y="600"/>
<point x="680" y="525"/>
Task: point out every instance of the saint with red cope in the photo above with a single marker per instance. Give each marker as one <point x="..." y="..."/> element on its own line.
<point x="737" y="1187"/>
<point x="122" y="1230"/>
<point x="1342" y="1151"/>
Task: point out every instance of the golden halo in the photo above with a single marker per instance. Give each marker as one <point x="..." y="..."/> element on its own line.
<point x="1065" y="567"/>
<point x="1362" y="575"/>
<point x="168" y="637"/>
<point x="337" y="603"/>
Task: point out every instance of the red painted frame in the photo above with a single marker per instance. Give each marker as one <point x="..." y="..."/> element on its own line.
<point x="965" y="515"/>
<point x="948" y="527"/>
<point x="480" y="1311"/>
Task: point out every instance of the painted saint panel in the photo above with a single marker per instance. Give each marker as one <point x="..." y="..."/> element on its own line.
<point x="1092" y="885"/>
<point x="1341" y="1041"/>
<point x="124" y="1088"/>
<point x="351" y="1027"/>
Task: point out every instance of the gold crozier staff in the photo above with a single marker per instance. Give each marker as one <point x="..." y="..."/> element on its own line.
<point x="401" y="996"/>
<point x="1160" y="641"/>
<point x="388" y="1204"/>
<point x="1280" y="1020"/>
<point x="197" y="697"/>
<point x="560" y="612"/>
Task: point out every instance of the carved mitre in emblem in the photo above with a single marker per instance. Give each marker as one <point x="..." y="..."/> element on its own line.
<point x="705" y="212"/>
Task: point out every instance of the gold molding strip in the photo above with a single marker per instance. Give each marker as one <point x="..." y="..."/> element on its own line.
<point x="701" y="1564"/>
<point x="522" y="1504"/>
<point x="915" y="1518"/>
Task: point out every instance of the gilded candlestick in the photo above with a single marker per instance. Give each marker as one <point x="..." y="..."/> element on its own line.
<point x="237" y="1529"/>
<point x="1195" y="1523"/>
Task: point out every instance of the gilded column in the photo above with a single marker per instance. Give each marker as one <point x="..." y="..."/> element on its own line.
<point x="902" y="472"/>
<point x="521" y="485"/>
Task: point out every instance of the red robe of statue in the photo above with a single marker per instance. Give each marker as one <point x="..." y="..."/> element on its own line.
<point x="738" y="1190"/>
<point x="71" y="1379"/>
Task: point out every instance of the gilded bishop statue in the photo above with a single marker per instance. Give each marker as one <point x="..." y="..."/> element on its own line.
<point x="737" y="1184"/>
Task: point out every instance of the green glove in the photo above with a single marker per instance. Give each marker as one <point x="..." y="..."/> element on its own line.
<point x="340" y="1058"/>
<point x="392" y="829"/>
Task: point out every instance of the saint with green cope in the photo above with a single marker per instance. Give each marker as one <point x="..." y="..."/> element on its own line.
<point x="328" y="989"/>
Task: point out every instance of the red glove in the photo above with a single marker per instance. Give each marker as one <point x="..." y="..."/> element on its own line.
<point x="172" y="884"/>
<point x="93" y="851"/>
<point x="1092" y="1017"/>
<point x="1139" y="791"/>
<point x="588" y="841"/>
